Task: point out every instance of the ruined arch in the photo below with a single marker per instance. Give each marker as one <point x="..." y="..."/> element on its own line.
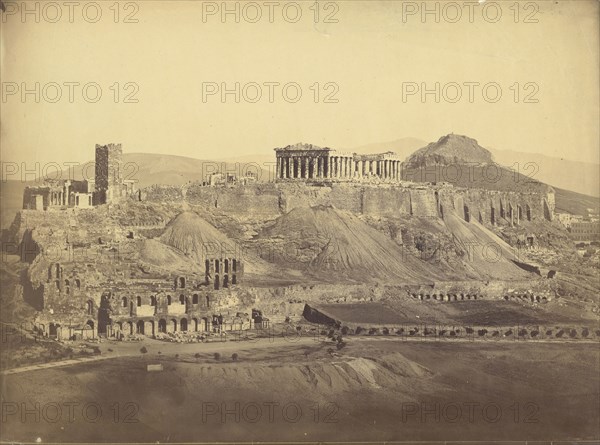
<point x="181" y="281"/>
<point x="153" y="301"/>
<point x="184" y="324"/>
<point x="124" y="302"/>
<point x="207" y="301"/>
<point x="195" y="324"/>
<point x="139" y="301"/>
<point x="139" y="327"/>
<point x="195" y="299"/>
<point x="528" y="212"/>
<point x="225" y="281"/>
<point x="467" y="213"/>
<point x="90" y="307"/>
<point x="182" y="299"/>
<point x="174" y="325"/>
<point x="217" y="283"/>
<point x="492" y="215"/>
<point x="149" y="327"/>
<point x="162" y="325"/>
<point x="169" y="301"/>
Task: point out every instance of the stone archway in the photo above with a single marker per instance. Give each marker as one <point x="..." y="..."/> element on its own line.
<point x="184" y="324"/>
<point x="139" y="327"/>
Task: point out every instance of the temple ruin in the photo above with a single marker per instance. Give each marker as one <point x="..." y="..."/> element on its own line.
<point x="309" y="162"/>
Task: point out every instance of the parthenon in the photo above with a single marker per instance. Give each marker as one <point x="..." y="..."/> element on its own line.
<point x="309" y="162"/>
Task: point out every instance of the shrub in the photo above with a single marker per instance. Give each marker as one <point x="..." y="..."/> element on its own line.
<point x="522" y="332"/>
<point x="560" y="333"/>
<point x="97" y="350"/>
<point x="508" y="333"/>
<point x="217" y="356"/>
<point x="330" y="351"/>
<point x="573" y="333"/>
<point x="469" y="330"/>
<point x="197" y="356"/>
<point x="345" y="330"/>
<point x="549" y="332"/>
<point x="585" y="332"/>
<point x="495" y="334"/>
<point x="385" y="331"/>
<point x="234" y="356"/>
<point x="482" y="332"/>
<point x="143" y="350"/>
<point x="534" y="334"/>
<point x="340" y="345"/>
<point x="360" y="329"/>
<point x="400" y="331"/>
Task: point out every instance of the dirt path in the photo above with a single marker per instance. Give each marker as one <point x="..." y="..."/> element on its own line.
<point x="133" y="349"/>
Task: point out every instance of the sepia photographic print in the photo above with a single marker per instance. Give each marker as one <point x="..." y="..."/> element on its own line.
<point x="300" y="222"/>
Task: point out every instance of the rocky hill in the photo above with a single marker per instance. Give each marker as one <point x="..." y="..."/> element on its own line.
<point x="461" y="161"/>
<point x="452" y="148"/>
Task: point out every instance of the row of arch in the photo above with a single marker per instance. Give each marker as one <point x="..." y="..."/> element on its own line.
<point x="164" y="325"/>
<point x="156" y="300"/>
<point x="510" y="216"/>
<point x="447" y="297"/>
<point x="530" y="298"/>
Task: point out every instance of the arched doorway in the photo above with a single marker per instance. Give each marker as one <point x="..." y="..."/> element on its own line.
<point x="184" y="324"/>
<point x="162" y="325"/>
<point x="140" y="327"/>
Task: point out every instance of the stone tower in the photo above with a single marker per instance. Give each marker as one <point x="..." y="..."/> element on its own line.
<point x="108" y="173"/>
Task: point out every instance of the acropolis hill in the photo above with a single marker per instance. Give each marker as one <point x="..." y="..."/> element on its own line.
<point x="218" y="254"/>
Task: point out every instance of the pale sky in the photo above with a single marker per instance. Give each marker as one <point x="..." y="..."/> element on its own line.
<point x="369" y="56"/>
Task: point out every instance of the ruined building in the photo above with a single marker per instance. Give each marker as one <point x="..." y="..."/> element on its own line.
<point x="107" y="186"/>
<point x="71" y="307"/>
<point x="309" y="162"/>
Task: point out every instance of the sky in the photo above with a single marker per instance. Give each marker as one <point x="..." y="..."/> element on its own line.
<point x="531" y="69"/>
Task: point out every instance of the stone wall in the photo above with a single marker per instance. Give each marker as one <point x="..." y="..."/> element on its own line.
<point x="267" y="201"/>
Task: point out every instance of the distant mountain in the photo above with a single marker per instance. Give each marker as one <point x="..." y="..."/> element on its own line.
<point x="461" y="161"/>
<point x="581" y="177"/>
<point x="450" y="149"/>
